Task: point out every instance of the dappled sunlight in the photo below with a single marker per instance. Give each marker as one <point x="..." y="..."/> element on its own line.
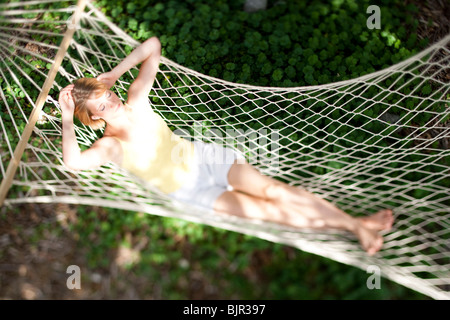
<point x="30" y="292"/>
<point x="127" y="255"/>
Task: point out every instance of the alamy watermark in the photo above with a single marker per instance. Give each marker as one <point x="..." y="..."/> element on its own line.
<point x="74" y="280"/>
<point x="374" y="280"/>
<point x="374" y="20"/>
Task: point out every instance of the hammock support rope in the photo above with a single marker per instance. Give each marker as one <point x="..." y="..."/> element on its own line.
<point x="14" y="163"/>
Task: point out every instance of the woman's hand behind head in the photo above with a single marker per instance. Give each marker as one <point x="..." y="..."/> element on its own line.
<point x="66" y="100"/>
<point x="108" y="78"/>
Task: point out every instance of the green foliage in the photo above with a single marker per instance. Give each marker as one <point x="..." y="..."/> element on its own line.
<point x="239" y="266"/>
<point x="318" y="35"/>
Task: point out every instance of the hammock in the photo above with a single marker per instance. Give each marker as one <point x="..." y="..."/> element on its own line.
<point x="374" y="142"/>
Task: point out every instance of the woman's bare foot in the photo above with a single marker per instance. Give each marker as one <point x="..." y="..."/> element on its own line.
<point x="382" y="220"/>
<point x="370" y="240"/>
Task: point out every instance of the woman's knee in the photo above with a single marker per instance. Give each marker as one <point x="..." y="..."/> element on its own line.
<point x="274" y="190"/>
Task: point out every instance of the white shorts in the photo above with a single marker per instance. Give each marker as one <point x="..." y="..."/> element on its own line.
<point x="209" y="176"/>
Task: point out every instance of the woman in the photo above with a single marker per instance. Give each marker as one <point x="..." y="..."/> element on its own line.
<point x="138" y="139"/>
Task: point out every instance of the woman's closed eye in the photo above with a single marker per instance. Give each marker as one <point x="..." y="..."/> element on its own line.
<point x="103" y="106"/>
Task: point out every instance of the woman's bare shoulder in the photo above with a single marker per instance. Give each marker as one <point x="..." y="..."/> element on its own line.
<point x="138" y="103"/>
<point x="107" y="143"/>
<point x="110" y="147"/>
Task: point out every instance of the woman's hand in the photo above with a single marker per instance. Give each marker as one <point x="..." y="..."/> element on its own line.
<point x="66" y="101"/>
<point x="108" y="78"/>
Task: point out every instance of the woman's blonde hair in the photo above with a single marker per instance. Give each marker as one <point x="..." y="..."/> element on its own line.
<point x="84" y="89"/>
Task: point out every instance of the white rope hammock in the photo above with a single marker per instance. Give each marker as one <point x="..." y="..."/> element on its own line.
<point x="365" y="144"/>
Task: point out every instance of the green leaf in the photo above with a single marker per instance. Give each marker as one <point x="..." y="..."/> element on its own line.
<point x="277" y="75"/>
<point x="230" y="66"/>
<point x="131" y="7"/>
<point x="426" y="89"/>
<point x="133" y="24"/>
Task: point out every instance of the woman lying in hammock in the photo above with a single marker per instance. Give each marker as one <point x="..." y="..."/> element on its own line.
<point x="138" y="139"/>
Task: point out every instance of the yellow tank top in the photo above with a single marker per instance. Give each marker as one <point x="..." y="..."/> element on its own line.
<point x="156" y="154"/>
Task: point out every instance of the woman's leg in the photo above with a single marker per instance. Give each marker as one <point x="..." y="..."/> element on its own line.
<point x="247" y="179"/>
<point x="259" y="196"/>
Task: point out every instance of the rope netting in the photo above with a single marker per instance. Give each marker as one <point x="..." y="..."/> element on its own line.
<point x="374" y="142"/>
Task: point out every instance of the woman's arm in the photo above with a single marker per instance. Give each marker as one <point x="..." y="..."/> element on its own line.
<point x="149" y="53"/>
<point x="70" y="148"/>
<point x="98" y="154"/>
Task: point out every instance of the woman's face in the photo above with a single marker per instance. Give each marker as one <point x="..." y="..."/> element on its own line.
<point x="105" y="107"/>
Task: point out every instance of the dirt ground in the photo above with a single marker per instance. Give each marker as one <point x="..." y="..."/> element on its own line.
<point x="36" y="249"/>
<point x="31" y="269"/>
